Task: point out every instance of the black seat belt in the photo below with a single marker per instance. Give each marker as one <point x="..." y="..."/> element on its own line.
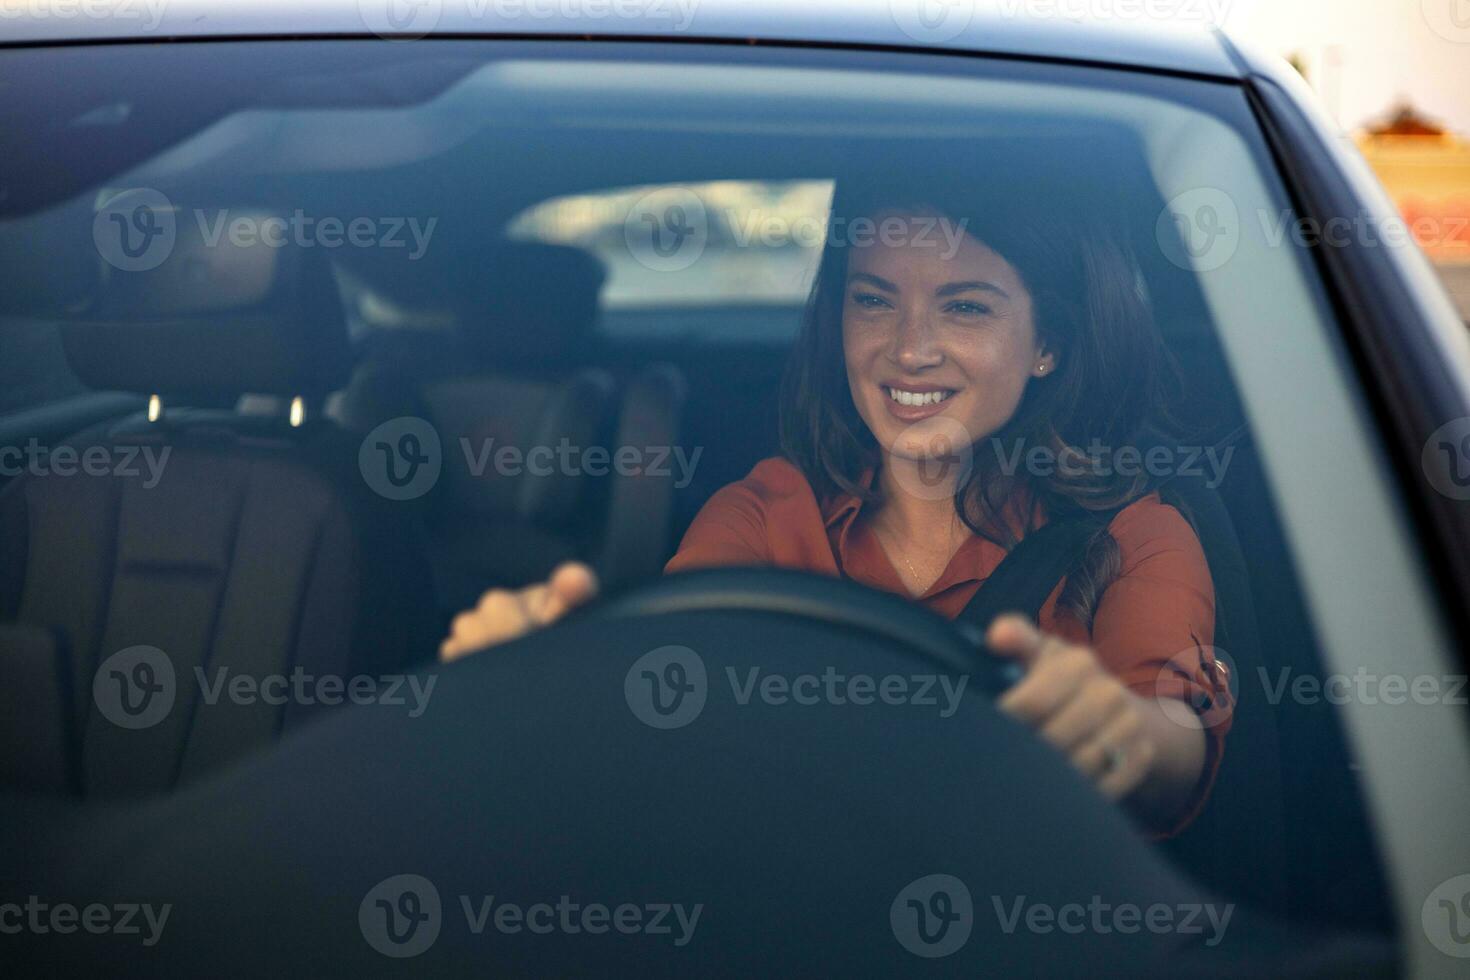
<point x="1030" y="571"/>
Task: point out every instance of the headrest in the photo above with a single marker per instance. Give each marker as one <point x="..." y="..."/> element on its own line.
<point x="223" y="313"/>
<point x="530" y="304"/>
<point x="515" y="304"/>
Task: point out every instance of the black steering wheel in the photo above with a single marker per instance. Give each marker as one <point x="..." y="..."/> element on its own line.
<point x="824" y="835"/>
<point x="956" y="647"/>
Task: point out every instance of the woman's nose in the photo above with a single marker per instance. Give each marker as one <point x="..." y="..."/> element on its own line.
<point x="914" y="344"/>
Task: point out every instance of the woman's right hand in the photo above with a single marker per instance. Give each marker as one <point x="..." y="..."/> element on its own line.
<point x="505" y="614"/>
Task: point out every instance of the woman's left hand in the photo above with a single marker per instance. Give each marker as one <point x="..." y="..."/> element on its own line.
<point x="1073" y="702"/>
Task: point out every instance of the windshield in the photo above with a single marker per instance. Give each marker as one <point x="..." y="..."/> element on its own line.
<point x="512" y="236"/>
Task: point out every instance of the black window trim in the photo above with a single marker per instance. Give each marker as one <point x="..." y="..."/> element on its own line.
<point x="1409" y="388"/>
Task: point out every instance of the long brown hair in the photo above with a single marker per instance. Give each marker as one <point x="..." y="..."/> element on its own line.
<point x="1111" y="380"/>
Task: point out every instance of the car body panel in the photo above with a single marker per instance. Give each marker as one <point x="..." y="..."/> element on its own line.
<point x="1422" y="346"/>
<point x="1002" y="27"/>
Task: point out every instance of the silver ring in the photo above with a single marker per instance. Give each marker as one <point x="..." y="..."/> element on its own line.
<point x="1113" y="759"/>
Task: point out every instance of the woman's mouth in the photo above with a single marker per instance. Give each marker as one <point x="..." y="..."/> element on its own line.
<point x="913" y="404"/>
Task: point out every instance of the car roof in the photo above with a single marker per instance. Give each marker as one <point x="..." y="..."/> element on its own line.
<point x="1018" y="28"/>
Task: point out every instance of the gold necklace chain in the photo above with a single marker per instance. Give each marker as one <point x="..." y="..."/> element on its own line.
<point x="919" y="579"/>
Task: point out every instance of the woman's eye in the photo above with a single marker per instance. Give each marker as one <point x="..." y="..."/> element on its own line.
<point x="870" y="301"/>
<point x="964" y="307"/>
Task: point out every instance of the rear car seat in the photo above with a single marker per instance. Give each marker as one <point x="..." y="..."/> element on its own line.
<point x="257" y="548"/>
<point x="515" y="373"/>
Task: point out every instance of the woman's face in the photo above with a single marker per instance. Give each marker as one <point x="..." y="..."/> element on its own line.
<point x="940" y="341"/>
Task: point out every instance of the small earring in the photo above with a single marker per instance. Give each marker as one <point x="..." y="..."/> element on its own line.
<point x="1041" y="369"/>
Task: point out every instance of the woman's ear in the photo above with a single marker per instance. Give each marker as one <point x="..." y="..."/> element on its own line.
<point x="1046" y="363"/>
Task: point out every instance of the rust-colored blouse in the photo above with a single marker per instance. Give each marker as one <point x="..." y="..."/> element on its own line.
<point x="1153" y="626"/>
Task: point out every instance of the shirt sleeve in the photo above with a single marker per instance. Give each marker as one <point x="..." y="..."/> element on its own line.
<point x="730" y="529"/>
<point x="1155" y="626"/>
<point x="770" y="518"/>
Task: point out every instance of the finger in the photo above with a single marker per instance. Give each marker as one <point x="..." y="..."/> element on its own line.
<point x="533" y="602"/>
<point x="498" y="616"/>
<point x="453" y="644"/>
<point x="1054" y="678"/>
<point x="1094" y="705"/>
<point x="1013" y="635"/>
<point x="462" y="633"/>
<point x="572" y="584"/>
<point x="1125" y="734"/>
<point x="1138" y="763"/>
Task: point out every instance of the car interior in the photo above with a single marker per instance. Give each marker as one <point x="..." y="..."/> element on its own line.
<point x="262" y="547"/>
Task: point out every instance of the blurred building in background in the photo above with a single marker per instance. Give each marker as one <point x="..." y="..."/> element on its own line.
<point x="1426" y="169"/>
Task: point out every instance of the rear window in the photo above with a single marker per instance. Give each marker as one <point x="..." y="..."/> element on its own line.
<point x="714" y="243"/>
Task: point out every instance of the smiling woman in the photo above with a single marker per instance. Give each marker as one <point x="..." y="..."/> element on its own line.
<point x="934" y="324"/>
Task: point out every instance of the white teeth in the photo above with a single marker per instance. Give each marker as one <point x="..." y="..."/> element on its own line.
<point x="915" y="398"/>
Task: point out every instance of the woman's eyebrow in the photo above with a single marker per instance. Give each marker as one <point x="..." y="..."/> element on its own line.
<point x="878" y="281"/>
<point x="964" y="287"/>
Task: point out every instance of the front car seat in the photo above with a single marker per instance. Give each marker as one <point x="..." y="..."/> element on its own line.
<point x="513" y="374"/>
